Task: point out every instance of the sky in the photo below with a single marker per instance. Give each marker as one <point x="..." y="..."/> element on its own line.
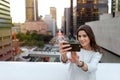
<point x="109" y="4"/>
<point x="18" y="9"/>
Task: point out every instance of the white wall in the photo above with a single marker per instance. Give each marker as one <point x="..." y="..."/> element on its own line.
<point x="51" y="71"/>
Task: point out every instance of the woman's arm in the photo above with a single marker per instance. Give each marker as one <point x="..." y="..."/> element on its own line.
<point x="64" y="58"/>
<point x="92" y="66"/>
<point x="82" y="65"/>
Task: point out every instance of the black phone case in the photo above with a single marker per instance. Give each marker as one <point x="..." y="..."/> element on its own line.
<point x="75" y="47"/>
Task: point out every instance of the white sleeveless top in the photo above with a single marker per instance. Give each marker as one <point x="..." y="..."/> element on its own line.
<point x="91" y="58"/>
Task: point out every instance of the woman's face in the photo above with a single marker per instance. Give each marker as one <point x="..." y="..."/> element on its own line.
<point x="84" y="39"/>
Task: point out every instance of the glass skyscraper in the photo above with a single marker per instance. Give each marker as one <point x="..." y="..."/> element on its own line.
<point x="87" y="10"/>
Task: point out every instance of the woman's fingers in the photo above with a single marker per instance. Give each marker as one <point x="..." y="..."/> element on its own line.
<point x="71" y="60"/>
<point x="73" y="54"/>
<point x="74" y="57"/>
<point x="64" y="46"/>
<point x="77" y="57"/>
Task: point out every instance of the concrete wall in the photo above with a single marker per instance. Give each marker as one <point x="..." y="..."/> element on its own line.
<point x="107" y="33"/>
<point x="51" y="71"/>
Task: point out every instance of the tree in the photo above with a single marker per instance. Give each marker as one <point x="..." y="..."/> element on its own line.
<point x="34" y="39"/>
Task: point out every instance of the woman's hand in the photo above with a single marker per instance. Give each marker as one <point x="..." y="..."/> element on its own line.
<point x="74" y="58"/>
<point x="64" y="47"/>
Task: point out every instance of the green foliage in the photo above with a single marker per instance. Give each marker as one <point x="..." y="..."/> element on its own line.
<point x="34" y="39"/>
<point x="40" y="43"/>
<point x="21" y="36"/>
<point x="47" y="38"/>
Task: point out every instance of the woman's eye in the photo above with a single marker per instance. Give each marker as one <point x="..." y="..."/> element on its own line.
<point x="84" y="35"/>
<point x="79" y="35"/>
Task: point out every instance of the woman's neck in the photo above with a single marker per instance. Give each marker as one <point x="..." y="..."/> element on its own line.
<point x="87" y="48"/>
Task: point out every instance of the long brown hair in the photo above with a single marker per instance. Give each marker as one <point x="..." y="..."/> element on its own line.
<point x="91" y="36"/>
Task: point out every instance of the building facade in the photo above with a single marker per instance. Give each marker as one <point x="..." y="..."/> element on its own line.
<point x="113" y="9"/>
<point x="117" y="5"/>
<point x="51" y="24"/>
<point x="102" y="6"/>
<point x="6" y="53"/>
<point x="87" y="10"/>
<point x="53" y="12"/>
<point x="83" y="11"/>
<point x="35" y="26"/>
<point x="31" y="10"/>
<point x="66" y="19"/>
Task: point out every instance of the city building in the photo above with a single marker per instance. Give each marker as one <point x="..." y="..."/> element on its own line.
<point x="118" y="4"/>
<point x="51" y="24"/>
<point x="6" y="51"/>
<point x="87" y="10"/>
<point x="53" y="12"/>
<point x="35" y="26"/>
<point x="31" y="10"/>
<point x="102" y="6"/>
<point x="66" y="19"/>
<point x="113" y="7"/>
<point x="83" y="11"/>
<point x="33" y="21"/>
<point x="16" y="27"/>
<point x="71" y="17"/>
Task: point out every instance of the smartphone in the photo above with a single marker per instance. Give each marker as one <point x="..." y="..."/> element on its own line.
<point x="75" y="47"/>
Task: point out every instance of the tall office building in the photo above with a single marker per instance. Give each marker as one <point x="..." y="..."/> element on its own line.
<point x="71" y="18"/>
<point x="53" y="12"/>
<point x="5" y="31"/>
<point x="31" y="10"/>
<point x="117" y="5"/>
<point x="83" y="11"/>
<point x="51" y="24"/>
<point x="66" y="19"/>
<point x="113" y="7"/>
<point x="102" y="6"/>
<point x="87" y="10"/>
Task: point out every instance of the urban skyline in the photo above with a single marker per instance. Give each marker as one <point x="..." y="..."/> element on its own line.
<point x="43" y="9"/>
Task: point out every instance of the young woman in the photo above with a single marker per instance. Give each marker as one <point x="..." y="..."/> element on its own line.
<point x="83" y="64"/>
